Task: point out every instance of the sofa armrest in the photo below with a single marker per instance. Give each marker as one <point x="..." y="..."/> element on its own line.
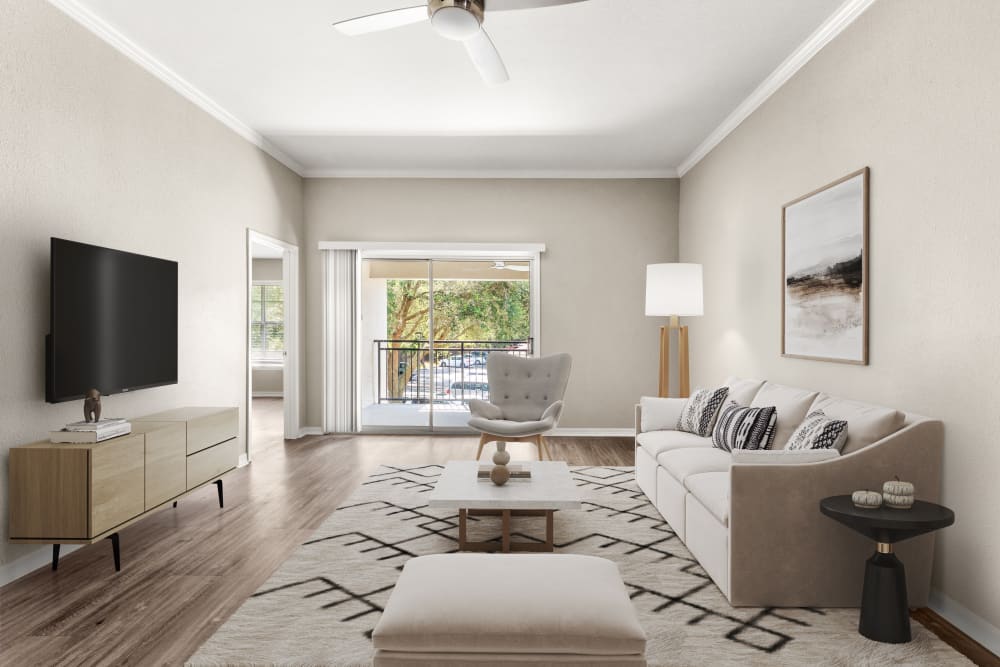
<point x="775" y="509"/>
<point x="659" y="414"/>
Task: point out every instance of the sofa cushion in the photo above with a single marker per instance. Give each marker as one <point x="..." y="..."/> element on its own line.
<point x="510" y="603"/>
<point x="742" y="391"/>
<point x="712" y="490"/>
<point x="791" y="403"/>
<point x="512" y="429"/>
<point x="817" y="431"/>
<point x="783" y="456"/>
<point x="743" y="428"/>
<point x="690" y="461"/>
<point x="701" y="409"/>
<point x="866" y="423"/>
<point x="660" y="414"/>
<point x="655" y="442"/>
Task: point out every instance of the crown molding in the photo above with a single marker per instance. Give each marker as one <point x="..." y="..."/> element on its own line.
<point x="534" y="174"/>
<point x="833" y="26"/>
<point x="144" y="59"/>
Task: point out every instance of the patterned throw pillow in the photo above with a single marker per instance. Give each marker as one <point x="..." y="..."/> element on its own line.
<point x="744" y="428"/>
<point x="817" y="431"/>
<point x="700" y="411"/>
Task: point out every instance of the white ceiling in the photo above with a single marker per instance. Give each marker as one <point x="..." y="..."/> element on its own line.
<point x="603" y="87"/>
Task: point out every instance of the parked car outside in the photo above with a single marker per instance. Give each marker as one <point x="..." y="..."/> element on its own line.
<point x="458" y="361"/>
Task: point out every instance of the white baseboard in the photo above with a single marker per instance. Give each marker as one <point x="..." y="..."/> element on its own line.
<point x="593" y="432"/>
<point x="28" y="563"/>
<point x="268" y="394"/>
<point x="310" y="430"/>
<point x="965" y="620"/>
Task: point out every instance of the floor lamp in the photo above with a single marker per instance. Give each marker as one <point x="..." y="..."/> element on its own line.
<point x="674" y="291"/>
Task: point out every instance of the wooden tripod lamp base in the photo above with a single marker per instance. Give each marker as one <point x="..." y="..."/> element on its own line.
<point x="683" y="363"/>
<point x="674" y="290"/>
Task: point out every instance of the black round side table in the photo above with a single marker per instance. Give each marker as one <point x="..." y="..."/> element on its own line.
<point x="885" y="614"/>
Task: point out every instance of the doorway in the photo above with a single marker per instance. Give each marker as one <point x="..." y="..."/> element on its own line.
<point x="272" y="341"/>
<point x="426" y="329"/>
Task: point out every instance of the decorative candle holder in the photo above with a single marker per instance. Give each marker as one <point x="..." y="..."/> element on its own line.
<point x="500" y="473"/>
<point x="898" y="495"/>
<point x="867" y="499"/>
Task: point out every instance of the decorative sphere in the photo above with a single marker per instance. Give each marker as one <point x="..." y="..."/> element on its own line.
<point x="499" y="475"/>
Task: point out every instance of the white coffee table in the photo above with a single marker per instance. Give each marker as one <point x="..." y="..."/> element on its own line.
<point x="550" y="488"/>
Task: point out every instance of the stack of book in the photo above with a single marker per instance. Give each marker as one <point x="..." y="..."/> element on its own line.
<point x="517" y="470"/>
<point x="91" y="431"/>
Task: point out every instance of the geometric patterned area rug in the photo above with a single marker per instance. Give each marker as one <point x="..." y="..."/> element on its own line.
<point x="320" y="606"/>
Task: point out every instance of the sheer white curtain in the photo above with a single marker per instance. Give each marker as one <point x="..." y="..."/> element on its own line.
<point x="341" y="409"/>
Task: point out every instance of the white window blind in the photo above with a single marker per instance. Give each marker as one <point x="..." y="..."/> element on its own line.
<point x="267" y="323"/>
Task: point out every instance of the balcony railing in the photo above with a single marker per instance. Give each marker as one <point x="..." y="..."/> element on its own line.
<point x="447" y="371"/>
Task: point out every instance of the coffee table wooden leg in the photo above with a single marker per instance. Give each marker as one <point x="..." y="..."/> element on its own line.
<point x="462" y="517"/>
<point x="549" y="529"/>
<point x="505" y="544"/>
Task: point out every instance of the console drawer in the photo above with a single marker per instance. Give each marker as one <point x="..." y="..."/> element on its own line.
<point x="212" y="462"/>
<point x="211" y="429"/>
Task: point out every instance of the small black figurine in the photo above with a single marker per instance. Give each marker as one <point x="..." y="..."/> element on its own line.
<point x="92" y="406"/>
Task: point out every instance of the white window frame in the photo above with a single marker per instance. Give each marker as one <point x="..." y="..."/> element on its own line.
<point x="268" y="364"/>
<point x="530" y="252"/>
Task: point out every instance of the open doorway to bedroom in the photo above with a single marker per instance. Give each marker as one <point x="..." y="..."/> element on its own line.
<point x="272" y="344"/>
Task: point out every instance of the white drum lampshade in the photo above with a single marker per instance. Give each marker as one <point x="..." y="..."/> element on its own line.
<point x="674" y="289"/>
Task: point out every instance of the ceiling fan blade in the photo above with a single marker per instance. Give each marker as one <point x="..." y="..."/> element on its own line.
<point x="382" y="21"/>
<point x="486" y="58"/>
<point x="506" y="5"/>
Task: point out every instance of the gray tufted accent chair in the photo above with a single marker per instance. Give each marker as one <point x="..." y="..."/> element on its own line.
<point x="525" y="399"/>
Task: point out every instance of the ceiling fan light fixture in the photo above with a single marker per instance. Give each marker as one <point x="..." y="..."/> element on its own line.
<point x="456" y="19"/>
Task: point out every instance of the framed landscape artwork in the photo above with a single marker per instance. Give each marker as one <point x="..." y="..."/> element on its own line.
<point x="824" y="312"/>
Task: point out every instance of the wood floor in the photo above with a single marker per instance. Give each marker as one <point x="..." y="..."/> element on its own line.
<point x="186" y="570"/>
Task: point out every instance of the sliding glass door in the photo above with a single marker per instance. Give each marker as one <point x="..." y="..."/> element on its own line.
<point x="427" y="327"/>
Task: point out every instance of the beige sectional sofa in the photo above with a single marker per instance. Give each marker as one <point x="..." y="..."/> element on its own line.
<point x="752" y="519"/>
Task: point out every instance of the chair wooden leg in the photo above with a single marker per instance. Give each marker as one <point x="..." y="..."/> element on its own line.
<point x="544" y="447"/>
<point x="483" y="439"/>
<point x="541" y="447"/>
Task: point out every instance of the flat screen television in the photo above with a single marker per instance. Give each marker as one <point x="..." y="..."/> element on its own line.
<point x="113" y="321"/>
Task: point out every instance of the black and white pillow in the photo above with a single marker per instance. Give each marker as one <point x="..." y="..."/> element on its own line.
<point x="698" y="415"/>
<point x="817" y="431"/>
<point x="744" y="428"/>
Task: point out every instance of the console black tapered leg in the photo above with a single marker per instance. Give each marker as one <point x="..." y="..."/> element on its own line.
<point x="116" y="549"/>
<point x="175" y="503"/>
<point x="55" y="557"/>
<point x="218" y="485"/>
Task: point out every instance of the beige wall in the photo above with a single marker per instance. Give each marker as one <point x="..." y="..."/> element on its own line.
<point x="95" y="149"/>
<point x="267" y="269"/>
<point x="910" y="90"/>
<point x="600" y="236"/>
<point x="267" y="381"/>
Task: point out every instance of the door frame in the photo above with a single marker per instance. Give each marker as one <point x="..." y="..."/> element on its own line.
<point x="430" y="252"/>
<point x="290" y="370"/>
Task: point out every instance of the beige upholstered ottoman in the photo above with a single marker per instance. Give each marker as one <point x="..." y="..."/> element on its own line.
<point x="493" y="609"/>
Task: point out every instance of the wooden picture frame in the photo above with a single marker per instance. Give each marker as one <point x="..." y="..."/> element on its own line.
<point x="824" y="293"/>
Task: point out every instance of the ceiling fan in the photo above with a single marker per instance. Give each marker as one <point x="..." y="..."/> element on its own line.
<point x="503" y="266"/>
<point x="458" y="20"/>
